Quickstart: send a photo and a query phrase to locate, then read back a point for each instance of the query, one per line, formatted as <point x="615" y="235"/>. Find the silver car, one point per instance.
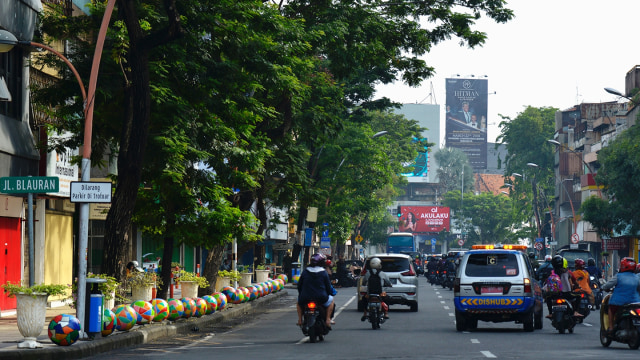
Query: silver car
<point x="403" y="277"/>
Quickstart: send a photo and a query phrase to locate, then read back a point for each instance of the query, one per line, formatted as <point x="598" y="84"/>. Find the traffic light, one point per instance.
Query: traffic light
<point x="399" y="211"/>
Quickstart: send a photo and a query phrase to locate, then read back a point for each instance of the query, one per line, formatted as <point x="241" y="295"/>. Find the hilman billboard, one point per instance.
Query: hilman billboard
<point x="424" y="219"/>
<point x="466" y="114"/>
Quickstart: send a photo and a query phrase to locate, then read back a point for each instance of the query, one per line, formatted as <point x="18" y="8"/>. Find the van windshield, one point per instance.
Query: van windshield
<point x="491" y="265"/>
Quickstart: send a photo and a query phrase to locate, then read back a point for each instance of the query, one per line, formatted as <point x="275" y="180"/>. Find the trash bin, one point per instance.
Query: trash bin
<point x="94" y="305"/>
<point x="295" y="268"/>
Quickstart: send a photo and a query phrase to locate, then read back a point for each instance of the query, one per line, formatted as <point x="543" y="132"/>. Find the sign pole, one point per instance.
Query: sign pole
<point x="31" y="250"/>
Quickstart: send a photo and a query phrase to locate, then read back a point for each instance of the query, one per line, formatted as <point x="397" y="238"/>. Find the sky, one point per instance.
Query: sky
<point x="553" y="53"/>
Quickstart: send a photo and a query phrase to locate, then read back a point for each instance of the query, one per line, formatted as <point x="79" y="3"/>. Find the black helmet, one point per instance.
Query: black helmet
<point x="557" y="261"/>
<point x="591" y="262"/>
<point x="317" y="260"/>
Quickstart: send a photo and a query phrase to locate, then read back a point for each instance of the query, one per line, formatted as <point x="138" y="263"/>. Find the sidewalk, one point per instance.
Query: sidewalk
<point x="10" y="336"/>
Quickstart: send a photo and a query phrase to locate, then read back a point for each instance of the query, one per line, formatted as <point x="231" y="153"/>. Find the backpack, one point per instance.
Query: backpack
<point x="553" y="283"/>
<point x="374" y="284"/>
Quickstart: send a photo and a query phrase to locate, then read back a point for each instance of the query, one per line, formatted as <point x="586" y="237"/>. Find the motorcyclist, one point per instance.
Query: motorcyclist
<point x="626" y="288"/>
<point x="432" y="266"/>
<point x="314" y="285"/>
<point x="375" y="279"/>
<point x="593" y="269"/>
<point x="569" y="282"/>
<point x="582" y="277"/>
<point x="545" y="269"/>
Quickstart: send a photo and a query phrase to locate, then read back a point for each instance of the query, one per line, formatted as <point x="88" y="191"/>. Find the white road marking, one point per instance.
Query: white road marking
<point x="442" y="302"/>
<point x="475" y="341"/>
<point x="439" y="296"/>
<point x="586" y="324"/>
<point x="446" y="308"/>
<point x="451" y="314"/>
<point x="488" y="354"/>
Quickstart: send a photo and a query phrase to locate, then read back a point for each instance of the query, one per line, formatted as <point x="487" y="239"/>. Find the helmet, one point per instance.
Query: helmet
<point x="548" y="258"/>
<point x="558" y="261"/>
<point x="591" y="262"/>
<point x="637" y="268"/>
<point x="134" y="266"/>
<point x="317" y="260"/>
<point x="627" y="264"/>
<point x="328" y="263"/>
<point x="579" y="264"/>
<point x="375" y="263"/>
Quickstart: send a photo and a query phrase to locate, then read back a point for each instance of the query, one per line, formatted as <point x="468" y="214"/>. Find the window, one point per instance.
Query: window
<point x="11" y="67"/>
<point x="492" y="265"/>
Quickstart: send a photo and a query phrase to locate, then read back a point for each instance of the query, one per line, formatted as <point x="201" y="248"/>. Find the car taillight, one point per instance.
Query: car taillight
<point x="410" y="272"/>
<point x="363" y="293"/>
<point x="527" y="285"/>
<point x="411" y="293"/>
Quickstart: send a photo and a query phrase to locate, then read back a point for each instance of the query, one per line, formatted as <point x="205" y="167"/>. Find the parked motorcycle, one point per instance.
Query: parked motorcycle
<point x="626" y="328"/>
<point x="596" y="290"/>
<point x="562" y="315"/>
<point x="313" y="321"/>
<point x="375" y="311"/>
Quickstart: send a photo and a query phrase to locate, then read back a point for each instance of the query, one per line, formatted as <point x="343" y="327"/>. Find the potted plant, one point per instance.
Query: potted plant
<point x="108" y="289"/>
<point x="189" y="282"/>
<point x="142" y="285"/>
<point x="31" y="308"/>
<point x="262" y="274"/>
<point x="226" y="278"/>
<point x="245" y="277"/>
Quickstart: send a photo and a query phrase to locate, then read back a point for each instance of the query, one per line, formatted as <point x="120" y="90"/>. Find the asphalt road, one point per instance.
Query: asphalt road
<point x="429" y="333"/>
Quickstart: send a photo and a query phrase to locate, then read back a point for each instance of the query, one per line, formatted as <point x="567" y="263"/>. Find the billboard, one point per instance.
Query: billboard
<point x="424" y="219"/>
<point x="466" y="115"/>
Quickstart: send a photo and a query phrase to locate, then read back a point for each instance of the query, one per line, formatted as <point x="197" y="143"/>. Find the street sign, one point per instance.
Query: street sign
<point x="575" y="238"/>
<point x="538" y="246"/>
<point x="460" y="242"/>
<point x="90" y="192"/>
<point x="359" y="238"/>
<point x="29" y="184"/>
<point x="325" y="242"/>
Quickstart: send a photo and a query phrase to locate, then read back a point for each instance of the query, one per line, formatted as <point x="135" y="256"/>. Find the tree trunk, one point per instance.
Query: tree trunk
<point x="211" y="266"/>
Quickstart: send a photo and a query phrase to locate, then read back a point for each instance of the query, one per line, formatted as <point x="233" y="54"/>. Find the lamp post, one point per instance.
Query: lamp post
<point x="7" y="42"/>
<point x="573" y="213"/>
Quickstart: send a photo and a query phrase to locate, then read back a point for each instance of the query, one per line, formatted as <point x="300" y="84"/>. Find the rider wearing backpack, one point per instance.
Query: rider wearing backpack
<point x="376" y="279"/>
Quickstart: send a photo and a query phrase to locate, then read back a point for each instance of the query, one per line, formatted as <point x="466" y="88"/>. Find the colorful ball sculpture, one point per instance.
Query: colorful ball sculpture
<point x="212" y="304"/>
<point x="126" y="317"/>
<point x="246" y="294"/>
<point x="262" y="291"/>
<point x="274" y="285"/>
<point x="176" y="309"/>
<point x="201" y="307"/>
<point x="189" y="307"/>
<point x="221" y="299"/>
<point x="145" y="312"/>
<point x="267" y="288"/>
<point x="253" y="292"/>
<point x="230" y="292"/>
<point x="280" y="284"/>
<point x="108" y="322"/>
<point x="64" y="330"/>
<point x="296" y="278"/>
<point x="160" y="309"/>
<point x="283" y="277"/>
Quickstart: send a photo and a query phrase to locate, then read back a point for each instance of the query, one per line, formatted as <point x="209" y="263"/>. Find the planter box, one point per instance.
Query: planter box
<point x="142" y="293"/>
<point x="189" y="289"/>
<point x="222" y="282"/>
<point x="31" y="311"/>
<point x="262" y="276"/>
<point x="245" y="279"/>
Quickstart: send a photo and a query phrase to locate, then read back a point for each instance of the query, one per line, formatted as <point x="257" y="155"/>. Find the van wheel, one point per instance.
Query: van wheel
<point x="414" y="306"/>
<point x="538" y="321"/>
<point x="528" y="322"/>
<point x="461" y="323"/>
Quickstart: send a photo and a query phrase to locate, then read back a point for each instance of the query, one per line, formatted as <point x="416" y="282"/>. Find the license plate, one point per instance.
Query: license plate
<point x="393" y="281"/>
<point x="491" y="290"/>
<point x="559" y="308"/>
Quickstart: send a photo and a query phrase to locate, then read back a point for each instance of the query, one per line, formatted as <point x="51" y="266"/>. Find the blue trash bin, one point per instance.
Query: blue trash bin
<point x="94" y="306"/>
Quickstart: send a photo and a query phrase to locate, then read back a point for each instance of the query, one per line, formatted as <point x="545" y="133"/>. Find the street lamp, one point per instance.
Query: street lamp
<point x="7" y="42"/>
<point x="573" y="213"/>
<point x="617" y="93"/>
<point x="378" y="134"/>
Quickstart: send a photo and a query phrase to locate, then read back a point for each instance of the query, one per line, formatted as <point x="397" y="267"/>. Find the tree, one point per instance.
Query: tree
<point x="454" y="170"/>
<point x="525" y="138"/>
<point x="486" y="217"/>
<point x="619" y="173"/>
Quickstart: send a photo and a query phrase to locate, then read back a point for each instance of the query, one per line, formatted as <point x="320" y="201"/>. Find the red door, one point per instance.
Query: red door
<point x="9" y="257"/>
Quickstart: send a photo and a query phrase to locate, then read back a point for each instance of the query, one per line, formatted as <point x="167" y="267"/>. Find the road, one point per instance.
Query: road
<point x="428" y="333"/>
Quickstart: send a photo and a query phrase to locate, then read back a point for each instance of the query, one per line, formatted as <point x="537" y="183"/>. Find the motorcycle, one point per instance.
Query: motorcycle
<point x="596" y="290"/>
<point x="562" y="315"/>
<point x="584" y="306"/>
<point x="375" y="311"/>
<point x="313" y="321"/>
<point x="432" y="276"/>
<point x="626" y="328"/>
<point x="447" y="279"/>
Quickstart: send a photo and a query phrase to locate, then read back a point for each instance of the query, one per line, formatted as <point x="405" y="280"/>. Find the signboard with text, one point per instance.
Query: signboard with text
<point x="29" y="184"/>
<point x="424" y="219"/>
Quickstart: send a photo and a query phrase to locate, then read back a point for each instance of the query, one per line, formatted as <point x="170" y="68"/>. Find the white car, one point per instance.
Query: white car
<point x="403" y="277"/>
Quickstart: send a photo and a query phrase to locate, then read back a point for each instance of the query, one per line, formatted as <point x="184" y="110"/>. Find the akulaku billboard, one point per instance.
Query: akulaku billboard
<point x="466" y="115"/>
<point x="424" y="219"/>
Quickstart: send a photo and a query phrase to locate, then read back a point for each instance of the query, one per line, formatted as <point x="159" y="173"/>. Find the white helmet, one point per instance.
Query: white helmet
<point x="375" y="263"/>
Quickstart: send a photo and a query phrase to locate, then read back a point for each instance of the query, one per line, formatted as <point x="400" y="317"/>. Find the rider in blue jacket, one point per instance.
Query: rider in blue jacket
<point x="626" y="288"/>
<point x="314" y="284"/>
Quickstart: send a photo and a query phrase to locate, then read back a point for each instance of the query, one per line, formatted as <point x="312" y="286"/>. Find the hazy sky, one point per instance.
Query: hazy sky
<point x="554" y="53"/>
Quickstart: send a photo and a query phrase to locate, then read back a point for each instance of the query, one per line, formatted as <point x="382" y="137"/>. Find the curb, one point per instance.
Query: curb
<point x="141" y="335"/>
